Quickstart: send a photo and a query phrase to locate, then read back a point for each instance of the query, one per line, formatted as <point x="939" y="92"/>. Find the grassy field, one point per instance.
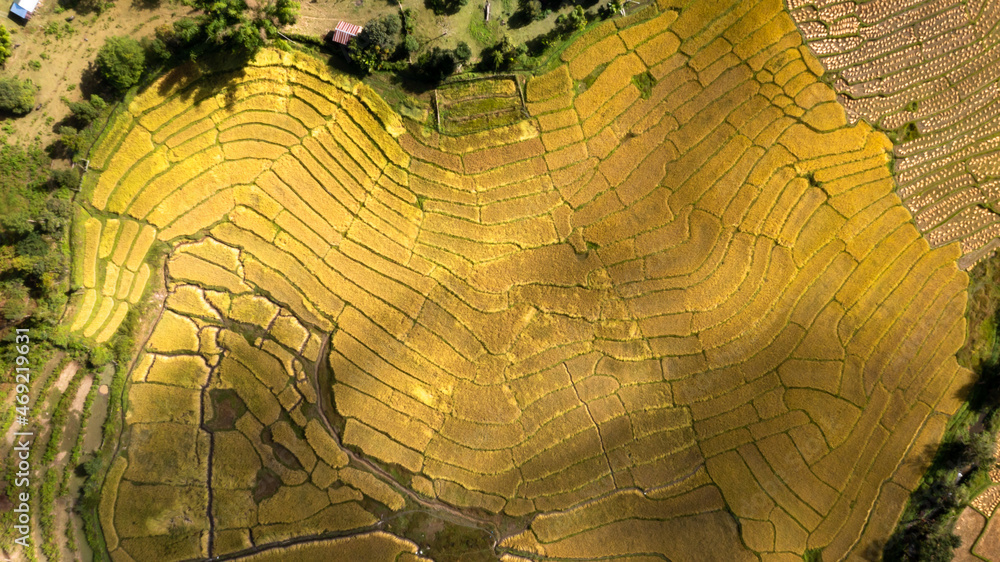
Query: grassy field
<point x="658" y="296"/>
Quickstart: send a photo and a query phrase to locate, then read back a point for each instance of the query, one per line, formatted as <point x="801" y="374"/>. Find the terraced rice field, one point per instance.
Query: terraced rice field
<point x="930" y="71"/>
<point x="630" y="325"/>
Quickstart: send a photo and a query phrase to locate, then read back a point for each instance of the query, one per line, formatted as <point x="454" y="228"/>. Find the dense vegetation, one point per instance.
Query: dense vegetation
<point x="16" y="97"/>
<point x="5" y="44"/>
<point x="120" y="62"/>
<point x="34" y="216"/>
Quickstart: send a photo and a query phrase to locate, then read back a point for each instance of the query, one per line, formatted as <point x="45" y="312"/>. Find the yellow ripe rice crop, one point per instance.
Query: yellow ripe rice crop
<point x="235" y="463"/>
<point x="154" y="403"/>
<point x="372" y="487"/>
<point x="268" y="102"/>
<point x="92" y="229"/>
<point x="100" y="317"/>
<point x="382" y="137"/>
<point x="254" y="197"/>
<point x="601" y="53"/>
<point x="190" y="301"/>
<point x="113" y="323"/>
<point x="140" y="247"/>
<point x="203" y="187"/>
<point x="109" y="495"/>
<point x="324" y="104"/>
<point x="285" y="436"/>
<point x="205" y="213"/>
<point x="181" y="133"/>
<point x="615" y="77"/>
<point x="253" y="148"/>
<point x="391" y="122"/>
<point x="639" y="33"/>
<point x="110" y="140"/>
<point x="139" y="285"/>
<point x="188" y="371"/>
<point x="110" y="280"/>
<point x="477" y="88"/>
<point x="305" y="113"/>
<point x="249" y="220"/>
<point x="164" y="87"/>
<point x="263" y="365"/>
<point x="177" y="176"/>
<point x="210" y="249"/>
<point x="251" y="131"/>
<point x="261" y="403"/>
<point x="108" y="238"/>
<point x="267" y="118"/>
<point x="378" y="546"/>
<point x="292" y="504"/>
<point x="253" y="309"/>
<point x="324" y="445"/>
<point x="174" y="333"/>
<point x="136" y="146"/>
<point x="380" y="446"/>
<point x="645" y="311"/>
<point x="593" y="36"/>
<point x="85" y="308"/>
<point x="125" y="238"/>
<point x="166" y="112"/>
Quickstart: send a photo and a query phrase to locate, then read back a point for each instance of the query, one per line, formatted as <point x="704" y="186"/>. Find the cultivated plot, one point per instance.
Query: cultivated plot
<point x="681" y="294"/>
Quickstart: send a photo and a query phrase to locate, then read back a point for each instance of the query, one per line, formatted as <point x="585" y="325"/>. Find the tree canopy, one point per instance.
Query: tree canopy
<point x="16" y="97"/>
<point x="120" y="62"/>
<point x="5" y="45"/>
<point x="376" y="43"/>
<point x="34" y="213"/>
<point x="246" y="30"/>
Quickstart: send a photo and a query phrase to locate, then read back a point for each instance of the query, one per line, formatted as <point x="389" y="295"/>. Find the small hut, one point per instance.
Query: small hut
<point x="344" y="32"/>
<point x="24" y="9"/>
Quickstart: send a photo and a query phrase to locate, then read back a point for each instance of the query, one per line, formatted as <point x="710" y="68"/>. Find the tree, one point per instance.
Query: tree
<point x="284" y="12"/>
<point x="436" y="64"/>
<point x="16" y="97"/>
<point x="83" y="111"/>
<point x="462" y="52"/>
<point x="610" y="9"/>
<point x="531" y="10"/>
<point x="376" y="42"/>
<point x="120" y="62"/>
<point x="503" y="54"/>
<point x="5" y="45"/>
<point x="571" y="22"/>
<point x="411" y="44"/>
<point x="445" y="7"/>
<point x="234" y="24"/>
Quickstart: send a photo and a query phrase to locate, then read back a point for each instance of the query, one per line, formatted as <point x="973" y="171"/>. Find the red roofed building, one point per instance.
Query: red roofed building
<point x="344" y="32"/>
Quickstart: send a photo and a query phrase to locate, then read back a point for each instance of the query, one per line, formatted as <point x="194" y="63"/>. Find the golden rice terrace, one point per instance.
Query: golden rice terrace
<point x="666" y="305"/>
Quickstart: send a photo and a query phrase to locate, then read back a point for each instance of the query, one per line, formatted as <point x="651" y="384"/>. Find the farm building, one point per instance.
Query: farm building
<point x="24" y="8"/>
<point x="344" y="32"/>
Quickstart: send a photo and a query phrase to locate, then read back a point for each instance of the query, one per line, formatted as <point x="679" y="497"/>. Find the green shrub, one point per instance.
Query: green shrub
<point x="16" y="97"/>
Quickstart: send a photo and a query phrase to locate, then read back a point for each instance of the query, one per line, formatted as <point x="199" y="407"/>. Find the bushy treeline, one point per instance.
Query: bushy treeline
<point x="234" y="27"/>
<point x="35" y="212"/>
